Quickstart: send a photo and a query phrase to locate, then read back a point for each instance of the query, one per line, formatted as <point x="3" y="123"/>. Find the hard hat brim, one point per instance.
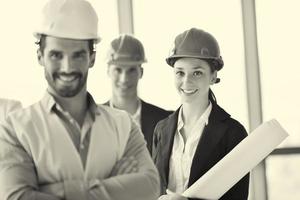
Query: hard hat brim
<point x="172" y="59"/>
<point x="38" y="35"/>
<point x="118" y="62"/>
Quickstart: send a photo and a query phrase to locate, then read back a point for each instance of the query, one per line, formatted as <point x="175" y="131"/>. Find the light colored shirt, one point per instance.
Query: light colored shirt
<point x="38" y="158"/>
<point x="183" y="152"/>
<point x="8" y="105"/>
<point x="79" y="135"/>
<point x="137" y="115"/>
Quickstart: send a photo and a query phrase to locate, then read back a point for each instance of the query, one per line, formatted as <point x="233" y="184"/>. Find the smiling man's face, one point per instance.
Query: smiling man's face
<point x="66" y="63"/>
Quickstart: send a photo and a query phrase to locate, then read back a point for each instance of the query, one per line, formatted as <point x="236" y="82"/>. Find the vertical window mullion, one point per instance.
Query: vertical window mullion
<point x="258" y="175"/>
<point x="125" y="14"/>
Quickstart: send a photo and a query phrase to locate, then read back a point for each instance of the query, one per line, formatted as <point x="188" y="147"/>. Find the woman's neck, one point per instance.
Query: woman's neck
<point x="191" y="111"/>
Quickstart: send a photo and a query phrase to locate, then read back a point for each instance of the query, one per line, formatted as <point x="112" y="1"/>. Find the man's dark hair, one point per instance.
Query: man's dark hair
<point x="42" y="43"/>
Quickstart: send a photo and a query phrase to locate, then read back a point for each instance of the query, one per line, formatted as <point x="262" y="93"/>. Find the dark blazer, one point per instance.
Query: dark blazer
<point x="220" y="136"/>
<point x="150" y="116"/>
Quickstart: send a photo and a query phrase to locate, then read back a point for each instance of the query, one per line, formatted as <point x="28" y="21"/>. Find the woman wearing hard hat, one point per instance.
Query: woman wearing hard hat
<point x="200" y="133"/>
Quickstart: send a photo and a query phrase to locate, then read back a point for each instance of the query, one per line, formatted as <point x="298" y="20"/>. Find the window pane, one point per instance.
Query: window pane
<point x="98" y="81"/>
<point x="157" y="23"/>
<point x="21" y="76"/>
<point x="279" y="42"/>
<point x="283" y="177"/>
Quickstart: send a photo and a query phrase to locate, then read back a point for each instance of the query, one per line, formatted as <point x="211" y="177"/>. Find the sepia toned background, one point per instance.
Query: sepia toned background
<point x="156" y="23"/>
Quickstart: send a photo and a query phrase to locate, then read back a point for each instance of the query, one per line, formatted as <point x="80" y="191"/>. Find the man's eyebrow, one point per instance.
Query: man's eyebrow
<point x="55" y="51"/>
<point x="82" y="51"/>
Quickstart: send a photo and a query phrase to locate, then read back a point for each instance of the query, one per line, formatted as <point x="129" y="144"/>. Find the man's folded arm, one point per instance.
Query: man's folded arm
<point x="143" y="184"/>
<point x="18" y="180"/>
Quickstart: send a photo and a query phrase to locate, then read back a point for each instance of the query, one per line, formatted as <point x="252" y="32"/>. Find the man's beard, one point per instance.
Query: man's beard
<point x="66" y="91"/>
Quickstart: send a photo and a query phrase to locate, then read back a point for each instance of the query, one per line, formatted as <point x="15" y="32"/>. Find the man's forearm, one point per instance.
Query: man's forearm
<point x="33" y="195"/>
<point x="68" y="189"/>
<point x="133" y="186"/>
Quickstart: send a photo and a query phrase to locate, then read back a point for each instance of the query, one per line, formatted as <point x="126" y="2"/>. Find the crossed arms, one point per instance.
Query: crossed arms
<point x="133" y="178"/>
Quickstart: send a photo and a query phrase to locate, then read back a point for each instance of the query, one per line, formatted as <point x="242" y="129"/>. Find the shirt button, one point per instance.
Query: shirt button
<point x="81" y="146"/>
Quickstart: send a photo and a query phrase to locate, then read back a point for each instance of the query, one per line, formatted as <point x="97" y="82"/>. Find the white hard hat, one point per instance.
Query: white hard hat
<point x="73" y="19"/>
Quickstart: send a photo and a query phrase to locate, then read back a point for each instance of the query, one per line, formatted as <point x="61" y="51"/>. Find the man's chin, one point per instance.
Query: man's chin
<point x="125" y="94"/>
<point x="68" y="93"/>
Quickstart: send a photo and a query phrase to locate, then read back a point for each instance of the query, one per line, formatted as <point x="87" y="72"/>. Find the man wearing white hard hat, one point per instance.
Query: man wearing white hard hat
<point x="65" y="146"/>
<point x="125" y="58"/>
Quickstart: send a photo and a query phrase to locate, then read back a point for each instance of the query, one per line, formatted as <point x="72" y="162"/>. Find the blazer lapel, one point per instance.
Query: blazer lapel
<point x="166" y="144"/>
<point x="146" y="121"/>
<point x="211" y="136"/>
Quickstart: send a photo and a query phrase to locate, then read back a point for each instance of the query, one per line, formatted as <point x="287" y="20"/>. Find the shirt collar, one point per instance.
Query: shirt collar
<point x="180" y="122"/>
<point x="204" y="117"/>
<point x="49" y="103"/>
<point x="137" y="112"/>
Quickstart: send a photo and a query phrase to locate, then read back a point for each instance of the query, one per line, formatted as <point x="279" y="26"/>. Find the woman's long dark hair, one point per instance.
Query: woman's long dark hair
<point x="211" y="96"/>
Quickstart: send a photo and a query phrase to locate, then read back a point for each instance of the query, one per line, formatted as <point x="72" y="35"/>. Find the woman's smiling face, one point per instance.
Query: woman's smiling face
<point x="193" y="78"/>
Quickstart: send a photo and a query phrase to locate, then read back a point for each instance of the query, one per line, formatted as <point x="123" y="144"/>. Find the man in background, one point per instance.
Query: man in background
<point x="65" y="146"/>
<point x="125" y="58"/>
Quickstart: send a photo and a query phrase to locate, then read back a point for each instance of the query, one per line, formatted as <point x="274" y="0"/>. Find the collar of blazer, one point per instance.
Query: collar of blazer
<point x="212" y="134"/>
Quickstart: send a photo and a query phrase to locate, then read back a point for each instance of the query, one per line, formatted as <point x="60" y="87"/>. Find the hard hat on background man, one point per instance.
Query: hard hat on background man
<point x="72" y="19"/>
<point x="196" y="43"/>
<point x="126" y="50"/>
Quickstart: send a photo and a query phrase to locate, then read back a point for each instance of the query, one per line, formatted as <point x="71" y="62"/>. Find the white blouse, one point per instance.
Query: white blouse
<point x="183" y="152"/>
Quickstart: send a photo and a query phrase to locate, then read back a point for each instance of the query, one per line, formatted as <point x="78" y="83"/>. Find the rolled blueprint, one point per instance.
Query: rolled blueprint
<point x="238" y="162"/>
